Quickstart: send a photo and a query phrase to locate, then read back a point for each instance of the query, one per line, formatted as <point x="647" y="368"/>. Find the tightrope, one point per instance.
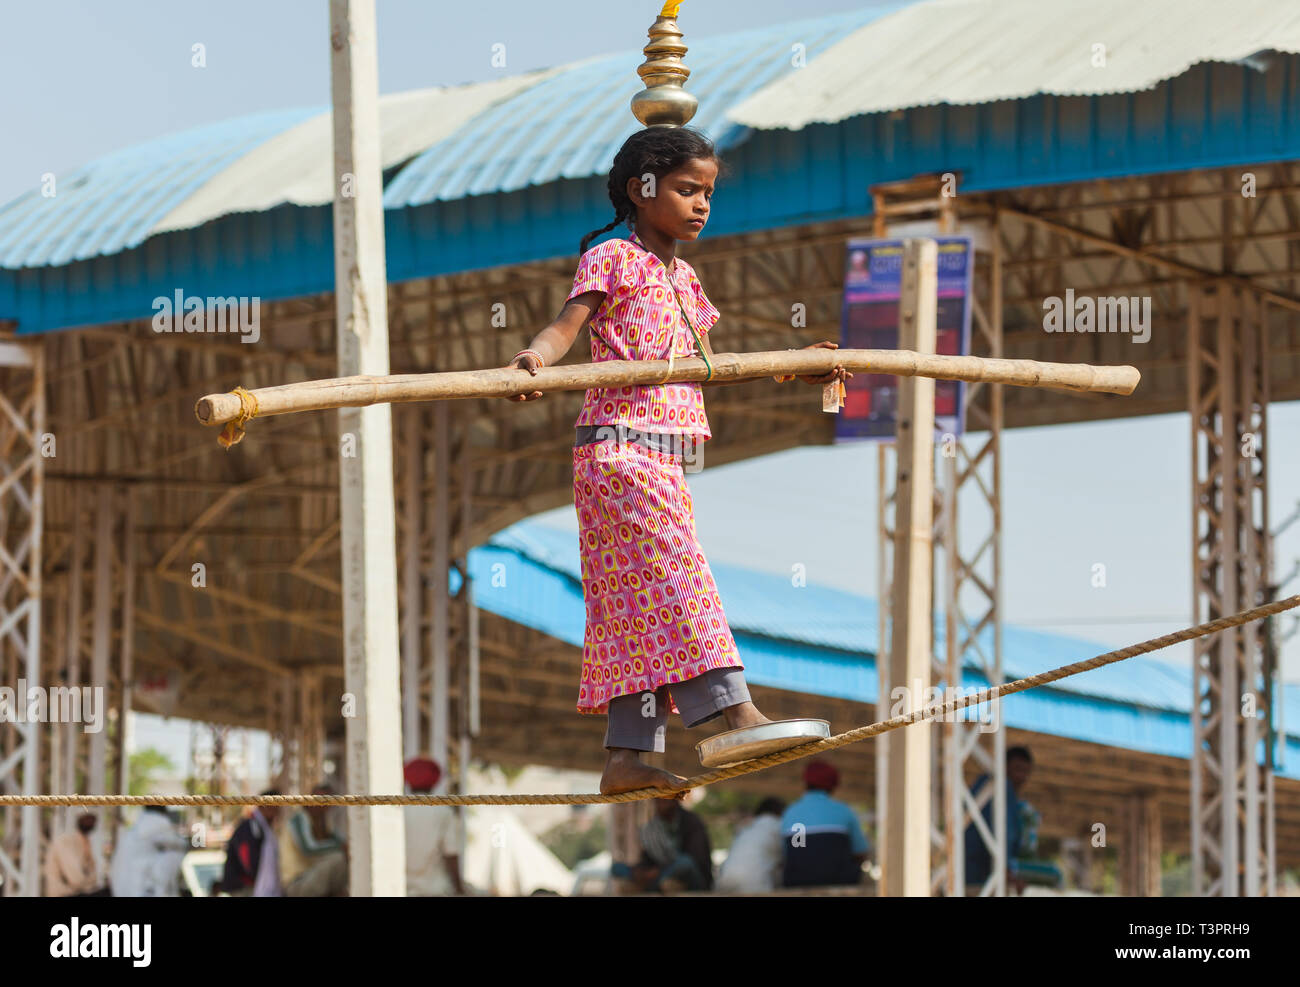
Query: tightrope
<point x="929" y="712"/>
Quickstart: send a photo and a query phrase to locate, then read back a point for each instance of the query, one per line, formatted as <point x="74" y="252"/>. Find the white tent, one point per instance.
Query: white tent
<point x="503" y="858"/>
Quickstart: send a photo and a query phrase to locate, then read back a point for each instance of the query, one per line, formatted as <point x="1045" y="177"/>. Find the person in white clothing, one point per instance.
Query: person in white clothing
<point x="147" y="861"/>
<point x="757" y="854"/>
<point x="435" y="837"/>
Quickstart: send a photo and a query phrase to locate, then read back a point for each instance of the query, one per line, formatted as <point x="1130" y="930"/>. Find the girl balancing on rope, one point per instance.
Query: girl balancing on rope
<point x="656" y="639"/>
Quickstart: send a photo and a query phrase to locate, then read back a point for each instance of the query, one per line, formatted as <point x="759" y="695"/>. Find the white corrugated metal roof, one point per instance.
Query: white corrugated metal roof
<point x="297" y="166"/>
<point x="249" y="164"/>
<point x="978" y="51"/>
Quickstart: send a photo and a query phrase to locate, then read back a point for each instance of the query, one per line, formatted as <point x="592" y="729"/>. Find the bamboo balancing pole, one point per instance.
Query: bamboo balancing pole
<point x="358" y="392"/>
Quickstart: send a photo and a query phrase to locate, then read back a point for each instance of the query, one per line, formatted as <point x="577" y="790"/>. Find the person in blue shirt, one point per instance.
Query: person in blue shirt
<point x="979" y="861"/>
<point x="823" y="840"/>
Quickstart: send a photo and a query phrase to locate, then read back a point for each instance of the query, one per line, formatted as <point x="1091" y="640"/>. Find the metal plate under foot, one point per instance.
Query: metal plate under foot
<point x="751" y="742"/>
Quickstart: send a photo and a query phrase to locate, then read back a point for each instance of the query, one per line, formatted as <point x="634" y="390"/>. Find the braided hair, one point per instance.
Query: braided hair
<point x="652" y="151"/>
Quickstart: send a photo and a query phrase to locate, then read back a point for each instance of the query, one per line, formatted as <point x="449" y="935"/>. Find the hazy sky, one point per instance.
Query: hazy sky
<point x="81" y="79"/>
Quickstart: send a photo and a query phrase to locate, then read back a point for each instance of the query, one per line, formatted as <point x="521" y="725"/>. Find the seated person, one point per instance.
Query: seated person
<point x="675" y="852"/>
<point x="979" y="862"/>
<point x="757" y="856"/>
<point x="147" y="860"/>
<point x="70" y="870"/>
<point x="253" y="855"/>
<point x="824" y="843"/>
<point x="313" y="861"/>
<point x="435" y="837"/>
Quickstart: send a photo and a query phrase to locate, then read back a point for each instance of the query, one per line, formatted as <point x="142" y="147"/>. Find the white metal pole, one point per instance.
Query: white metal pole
<point x="368" y="538"/>
<point x="100" y="648"/>
<point x="126" y="651"/>
<point x="411" y="585"/>
<point x="469" y="665"/>
<point x="76" y="569"/>
<point x="440" y="625"/>
<point x="907" y="865"/>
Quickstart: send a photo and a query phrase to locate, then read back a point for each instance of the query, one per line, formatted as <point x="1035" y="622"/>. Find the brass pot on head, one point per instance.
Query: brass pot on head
<point x="663" y="102"/>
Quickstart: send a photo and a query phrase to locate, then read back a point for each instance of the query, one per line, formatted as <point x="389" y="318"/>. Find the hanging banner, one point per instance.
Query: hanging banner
<point x="872" y="284"/>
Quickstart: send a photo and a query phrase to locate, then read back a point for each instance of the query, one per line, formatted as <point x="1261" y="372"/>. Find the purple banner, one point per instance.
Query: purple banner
<point x="872" y="285"/>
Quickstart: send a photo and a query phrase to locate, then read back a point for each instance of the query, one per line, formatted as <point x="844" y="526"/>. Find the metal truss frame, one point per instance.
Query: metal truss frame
<point x="22" y="472"/>
<point x="1232" y="804"/>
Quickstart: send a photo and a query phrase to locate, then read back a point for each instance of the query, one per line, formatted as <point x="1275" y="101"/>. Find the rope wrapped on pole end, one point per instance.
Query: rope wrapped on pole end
<point x="233" y="432"/>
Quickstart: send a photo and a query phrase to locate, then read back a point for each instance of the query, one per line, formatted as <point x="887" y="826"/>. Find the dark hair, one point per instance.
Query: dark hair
<point x="161" y="809"/>
<point x="1020" y="752"/>
<point x="770" y="807"/>
<point x="654" y="151"/>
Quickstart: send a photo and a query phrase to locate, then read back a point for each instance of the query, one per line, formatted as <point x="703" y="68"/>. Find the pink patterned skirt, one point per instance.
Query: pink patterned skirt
<point x="654" y="616"/>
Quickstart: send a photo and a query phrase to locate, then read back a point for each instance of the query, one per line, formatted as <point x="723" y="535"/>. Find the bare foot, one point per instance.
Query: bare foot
<point x="743" y="715"/>
<point x="624" y="772"/>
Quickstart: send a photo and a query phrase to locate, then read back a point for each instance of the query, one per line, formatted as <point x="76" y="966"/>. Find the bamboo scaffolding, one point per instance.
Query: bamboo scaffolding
<point x="502" y="382"/>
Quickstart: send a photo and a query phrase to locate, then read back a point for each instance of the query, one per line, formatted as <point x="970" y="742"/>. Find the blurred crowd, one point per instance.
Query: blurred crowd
<point x="271" y="853"/>
<point x="815" y="841"/>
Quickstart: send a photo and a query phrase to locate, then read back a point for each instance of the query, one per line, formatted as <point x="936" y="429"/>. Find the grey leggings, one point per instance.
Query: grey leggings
<point x="639" y="721"/>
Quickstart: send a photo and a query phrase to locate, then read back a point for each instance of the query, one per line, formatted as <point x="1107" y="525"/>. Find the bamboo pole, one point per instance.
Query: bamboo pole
<point x="362" y="391"/>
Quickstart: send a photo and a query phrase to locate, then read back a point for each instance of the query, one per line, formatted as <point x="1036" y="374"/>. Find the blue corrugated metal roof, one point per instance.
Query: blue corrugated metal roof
<point x="1212" y="116"/>
<point x="822" y="640"/>
<point x="115" y="202"/>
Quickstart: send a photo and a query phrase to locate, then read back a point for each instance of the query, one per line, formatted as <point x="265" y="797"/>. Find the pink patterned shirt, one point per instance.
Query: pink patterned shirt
<point x="639" y="319"/>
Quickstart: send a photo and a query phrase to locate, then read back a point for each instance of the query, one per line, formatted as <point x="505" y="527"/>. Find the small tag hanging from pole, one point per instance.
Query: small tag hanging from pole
<point x="833" y="397"/>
